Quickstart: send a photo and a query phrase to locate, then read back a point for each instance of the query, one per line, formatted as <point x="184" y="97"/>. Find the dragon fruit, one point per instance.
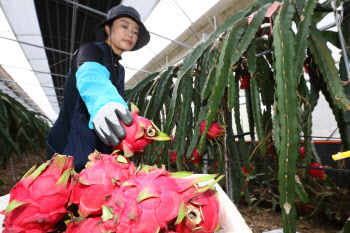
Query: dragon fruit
<point x="39" y="200"/>
<point x="148" y="201"/>
<point x="245" y="82"/>
<point x="215" y="131"/>
<point x="302" y="152"/>
<point x="245" y="170"/>
<point x="315" y="172"/>
<point x="139" y="134"/>
<point x="201" y="214"/>
<point x="101" y="175"/>
<point x="196" y="158"/>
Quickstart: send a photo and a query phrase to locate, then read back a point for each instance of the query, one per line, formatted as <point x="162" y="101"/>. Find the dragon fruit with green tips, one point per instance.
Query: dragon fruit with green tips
<point x="103" y="173"/>
<point x="151" y="200"/>
<point x="40" y="199"/>
<point x="139" y="134"/>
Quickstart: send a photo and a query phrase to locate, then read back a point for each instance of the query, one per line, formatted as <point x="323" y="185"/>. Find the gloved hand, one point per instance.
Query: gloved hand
<point x="107" y="123"/>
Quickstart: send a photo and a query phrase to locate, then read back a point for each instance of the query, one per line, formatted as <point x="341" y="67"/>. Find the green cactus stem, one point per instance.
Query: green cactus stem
<point x="287" y="105"/>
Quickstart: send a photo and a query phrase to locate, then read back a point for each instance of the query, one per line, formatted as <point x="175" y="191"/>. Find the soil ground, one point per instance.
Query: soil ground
<point x="258" y="219"/>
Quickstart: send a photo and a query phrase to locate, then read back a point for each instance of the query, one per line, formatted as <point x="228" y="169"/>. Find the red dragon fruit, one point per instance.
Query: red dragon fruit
<point x="245" y="170"/>
<point x="201" y="214"/>
<point x="139" y="134"/>
<point x="315" y="172"/>
<point x="173" y="156"/>
<point x="196" y="158"/>
<point x="102" y="174"/>
<point x="40" y="199"/>
<point x="215" y="131"/>
<point x="245" y="82"/>
<point x="148" y="202"/>
<point x="302" y="152"/>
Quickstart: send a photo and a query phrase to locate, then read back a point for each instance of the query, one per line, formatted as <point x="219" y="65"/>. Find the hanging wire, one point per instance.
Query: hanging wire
<point x="190" y="27"/>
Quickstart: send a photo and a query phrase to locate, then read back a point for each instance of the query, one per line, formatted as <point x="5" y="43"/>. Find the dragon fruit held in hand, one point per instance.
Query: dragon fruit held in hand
<point x="139" y="134"/>
<point x="40" y="199"/>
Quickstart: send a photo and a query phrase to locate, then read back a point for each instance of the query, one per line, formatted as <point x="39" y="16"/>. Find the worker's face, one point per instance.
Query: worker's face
<point x="124" y="36"/>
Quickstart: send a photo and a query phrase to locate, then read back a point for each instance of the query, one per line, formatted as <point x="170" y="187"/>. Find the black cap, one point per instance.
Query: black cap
<point x="123" y="11"/>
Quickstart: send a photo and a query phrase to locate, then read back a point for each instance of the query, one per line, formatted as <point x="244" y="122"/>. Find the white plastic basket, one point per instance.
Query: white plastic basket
<point x="231" y="221"/>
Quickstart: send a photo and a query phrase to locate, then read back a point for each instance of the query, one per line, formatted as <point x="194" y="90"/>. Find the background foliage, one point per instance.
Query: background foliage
<point x="284" y="89"/>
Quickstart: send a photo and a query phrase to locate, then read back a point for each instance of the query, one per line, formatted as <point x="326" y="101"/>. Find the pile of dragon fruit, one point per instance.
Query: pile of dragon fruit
<point x="112" y="195"/>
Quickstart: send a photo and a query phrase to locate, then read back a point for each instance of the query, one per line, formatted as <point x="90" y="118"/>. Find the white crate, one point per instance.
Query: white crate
<point x="230" y="220"/>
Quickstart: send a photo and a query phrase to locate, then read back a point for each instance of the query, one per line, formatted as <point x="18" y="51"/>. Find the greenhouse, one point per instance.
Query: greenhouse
<point x="175" y="116"/>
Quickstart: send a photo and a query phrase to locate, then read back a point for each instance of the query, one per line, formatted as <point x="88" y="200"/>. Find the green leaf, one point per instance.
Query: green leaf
<point x="182" y="213"/>
<point x="13" y="205"/>
<point x="107" y="213"/>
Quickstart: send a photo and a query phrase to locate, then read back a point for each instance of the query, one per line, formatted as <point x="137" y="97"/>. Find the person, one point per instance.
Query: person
<point x="93" y="104"/>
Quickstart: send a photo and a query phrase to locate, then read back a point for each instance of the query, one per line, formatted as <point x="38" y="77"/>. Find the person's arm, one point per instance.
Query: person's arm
<point x="95" y="88"/>
<point x="104" y="103"/>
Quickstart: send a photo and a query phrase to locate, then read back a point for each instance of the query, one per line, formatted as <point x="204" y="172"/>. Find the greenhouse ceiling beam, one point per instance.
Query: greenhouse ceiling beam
<point x="35" y="71"/>
<point x="144" y="71"/>
<point x="104" y="15"/>
<point x="26" y="92"/>
<point x="73" y="31"/>
<point x="55" y="50"/>
<point x="38" y="46"/>
<point x="12" y="81"/>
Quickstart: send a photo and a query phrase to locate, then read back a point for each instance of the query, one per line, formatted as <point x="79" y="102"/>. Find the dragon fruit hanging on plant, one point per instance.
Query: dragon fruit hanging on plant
<point x="215" y="131"/>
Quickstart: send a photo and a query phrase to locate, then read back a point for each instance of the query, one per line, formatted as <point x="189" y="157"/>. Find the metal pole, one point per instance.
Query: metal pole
<point x="214" y="17"/>
<point x="38" y="46"/>
<point x="187" y="18"/>
<point x="341" y="38"/>
<point x="205" y="163"/>
<point x="74" y="23"/>
<point x="104" y="14"/>
<point x="12" y="81"/>
<point x="46" y="95"/>
<point x="145" y="71"/>
<point x="35" y="71"/>
<point x="263" y="53"/>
